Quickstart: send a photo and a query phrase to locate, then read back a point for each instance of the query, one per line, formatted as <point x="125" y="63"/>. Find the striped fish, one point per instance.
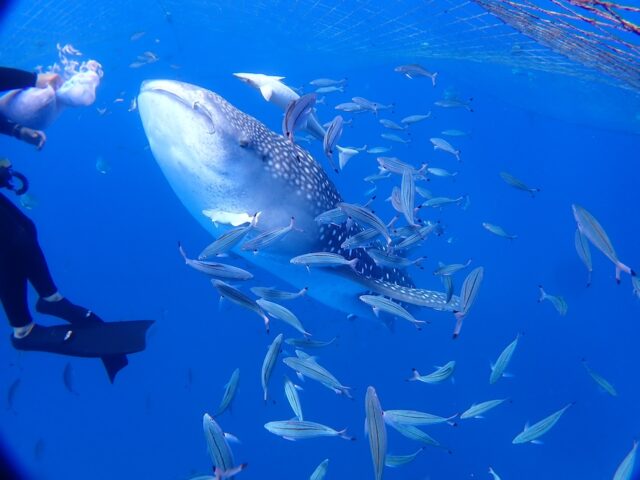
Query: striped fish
<point x="219" y="270"/>
<point x="535" y="431"/>
<point x="377" y="432"/>
<point x="379" y="303"/>
<point x="236" y="296"/>
<point x="591" y="229"/>
<point x="219" y="449"/>
<point x="414" y="433"/>
<point x="366" y="218"/>
<point x="267" y="238"/>
<point x="297" y="113"/>
<point x="584" y="252"/>
<point x="297" y="430"/>
<point x="415" y="418"/>
<point x="291" y="392"/>
<point x="476" y="410"/>
<point x="269" y="362"/>
<point x="497" y="369"/>
<point x="282" y="313"/>
<point x="229" y="392"/>
<point x="557" y="301"/>
<point x="469" y="293"/>
<point x="625" y="469"/>
<point x="407" y="196"/>
<point x="334" y="132"/>
<point x="228" y="240"/>
<point x="309" y="368"/>
<point x="600" y="380"/>
<point x="321" y="470"/>
<point x="272" y="294"/>
<point x="437" y="376"/>
<point x="518" y="184"/>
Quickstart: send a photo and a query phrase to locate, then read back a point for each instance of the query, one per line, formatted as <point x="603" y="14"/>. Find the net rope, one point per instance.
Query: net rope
<point x="591" y="39"/>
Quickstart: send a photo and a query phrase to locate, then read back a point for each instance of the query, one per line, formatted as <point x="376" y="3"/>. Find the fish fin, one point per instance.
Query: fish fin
<point x="300" y="376"/>
<point x="433" y="78"/>
<point x="415" y="376"/>
<point x="291" y="439"/>
<point x="343" y="433"/>
<point x="267" y="92"/>
<point x="526" y="426"/>
<point x="479" y="416"/>
<point x="537" y="442"/>
<point x="507" y="375"/>
<point x="231" y="438"/>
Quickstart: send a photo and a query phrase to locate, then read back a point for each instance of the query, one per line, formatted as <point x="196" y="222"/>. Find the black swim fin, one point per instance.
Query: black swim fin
<point x="94" y="340"/>
<point x="77" y="315"/>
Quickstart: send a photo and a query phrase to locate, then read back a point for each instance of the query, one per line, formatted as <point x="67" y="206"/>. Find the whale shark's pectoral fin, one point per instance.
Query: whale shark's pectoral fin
<point x="267" y="92"/>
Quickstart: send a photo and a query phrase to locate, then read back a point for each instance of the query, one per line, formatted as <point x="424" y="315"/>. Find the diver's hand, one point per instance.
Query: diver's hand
<point x="46" y="79"/>
<point x="34" y="137"/>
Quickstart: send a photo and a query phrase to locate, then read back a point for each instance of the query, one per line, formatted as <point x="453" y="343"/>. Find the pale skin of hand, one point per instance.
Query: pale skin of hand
<point x="36" y="138"/>
<point x="48" y="79"/>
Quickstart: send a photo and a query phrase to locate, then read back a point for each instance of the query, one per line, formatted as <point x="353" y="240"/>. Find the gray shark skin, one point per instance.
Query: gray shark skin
<point x="225" y="166"/>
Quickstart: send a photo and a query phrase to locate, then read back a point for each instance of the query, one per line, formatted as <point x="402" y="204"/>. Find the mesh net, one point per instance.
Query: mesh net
<point x="591" y="39"/>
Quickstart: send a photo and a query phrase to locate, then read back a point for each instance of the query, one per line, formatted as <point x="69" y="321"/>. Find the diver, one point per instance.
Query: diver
<point x="22" y="261"/>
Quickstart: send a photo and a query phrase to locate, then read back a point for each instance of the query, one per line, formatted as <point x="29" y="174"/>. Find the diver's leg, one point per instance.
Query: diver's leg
<point x="13" y="278"/>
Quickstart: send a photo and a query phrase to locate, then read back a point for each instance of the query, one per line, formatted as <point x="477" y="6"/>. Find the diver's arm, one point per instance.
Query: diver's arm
<point x="12" y="78"/>
<point x="37" y="138"/>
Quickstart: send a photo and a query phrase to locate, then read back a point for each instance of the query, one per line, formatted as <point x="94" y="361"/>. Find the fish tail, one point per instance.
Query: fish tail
<point x="230" y="472"/>
<point x="266" y="323"/>
<point x="433" y="78"/>
<point x="459" y="318"/>
<point x="543" y="294"/>
<point x="621" y="267"/>
<point x="353" y="262"/>
<point x="182" y="252"/>
<point x="415" y="375"/>
<point x="343" y="434"/>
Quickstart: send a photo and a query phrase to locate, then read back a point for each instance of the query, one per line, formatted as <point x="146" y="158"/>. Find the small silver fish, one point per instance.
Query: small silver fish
<point x="331" y="137"/>
<point x="442" y="144"/>
<point x="493" y="474"/>
<point x="308" y="343"/>
<point x="310" y="368"/>
<point x="266" y="239"/>
<point x="447" y="281"/>
<point x="414" y="433"/>
<point x="361" y="239"/>
<point x="335" y="216"/>
<point x="437" y="376"/>
<point x="394" y="138"/>
<point x="476" y="410"/>
<point x="414" y="70"/>
<point x="269" y="363"/>
<point x="327" y="82"/>
<point x="378" y="150"/>
<point x="383" y="304"/>
<point x="441" y="172"/>
<point x="390" y="124"/>
<point x="369" y="105"/>
<point x="600" y="380"/>
<point x="419" y="235"/>
<point x="350" y="107"/>
<point x="297" y="430"/>
<point x="385" y="259"/>
<point x="377" y="431"/>
<point x="291" y="392"/>
<point x="590" y="228"/>
<point x="218" y="270"/>
<point x="229" y="392"/>
<point x="395" y="165"/>
<point x="272" y="294"/>
<point x="448" y="270"/>
<point x="407" y="196"/>
<point x="498" y="230"/>
<point x="535" y="431"/>
<point x="470" y="289"/>
<point x="439" y="202"/>
<point x="415" y="418"/>
<point x="228" y="240"/>
<point x="411" y="119"/>
<point x="323" y="259"/>
<point x="330" y="89"/>
<point x="625" y="469"/>
<point x="366" y="218"/>
<point x="321" y="470"/>
<point x="558" y="302"/>
<point x="453" y="103"/>
<point x="236" y="296"/>
<point x="497" y="369"/>
<point x="296" y="114"/>
<point x="282" y="313"/>
<point x="219" y="449"/>
<point x="518" y="184"/>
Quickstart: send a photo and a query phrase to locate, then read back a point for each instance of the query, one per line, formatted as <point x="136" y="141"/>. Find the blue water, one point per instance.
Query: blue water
<point x="111" y="242"/>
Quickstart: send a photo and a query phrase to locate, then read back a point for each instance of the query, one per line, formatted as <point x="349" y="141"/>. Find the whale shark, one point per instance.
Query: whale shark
<point x="226" y="166"/>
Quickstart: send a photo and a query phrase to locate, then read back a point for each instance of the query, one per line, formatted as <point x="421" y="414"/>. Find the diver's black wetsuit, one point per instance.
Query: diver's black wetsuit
<point x="21" y="258"/>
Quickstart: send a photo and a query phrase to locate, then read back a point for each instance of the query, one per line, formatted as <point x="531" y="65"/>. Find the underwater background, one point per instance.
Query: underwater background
<point x="111" y="243"/>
